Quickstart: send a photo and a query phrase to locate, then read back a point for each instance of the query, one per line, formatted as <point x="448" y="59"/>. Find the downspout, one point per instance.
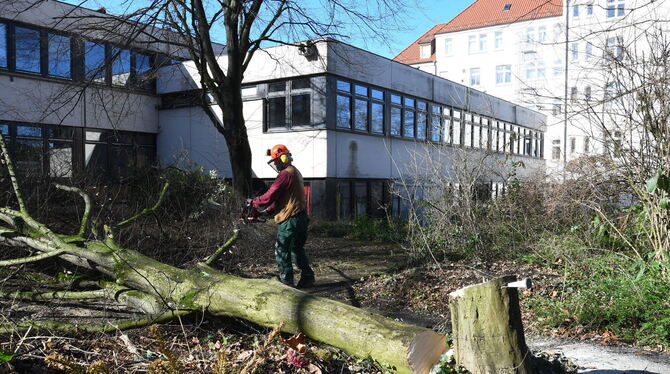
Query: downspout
<point x="565" y="89"/>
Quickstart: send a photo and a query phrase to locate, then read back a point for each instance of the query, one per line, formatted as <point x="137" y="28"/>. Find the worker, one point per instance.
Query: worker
<point x="286" y="197"/>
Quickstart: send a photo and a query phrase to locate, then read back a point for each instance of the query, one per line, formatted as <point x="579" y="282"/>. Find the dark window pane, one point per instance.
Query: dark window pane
<point x="94" y="61"/>
<point x="361" y="115"/>
<point x="59" y="56"/>
<point x="361" y="196"/>
<point x="27" y="50"/>
<point x="395" y="121"/>
<point x="421" y="105"/>
<point x="344" y="86"/>
<point x="121" y="162"/>
<point x="396" y="99"/>
<point x="435" y="128"/>
<point x="277" y="112"/>
<point x="377" y="199"/>
<point x="142" y="68"/>
<point x="377" y="118"/>
<point x="343" y="112"/>
<point x="300" y="110"/>
<point x="344" y="197"/>
<point x="3" y="45"/>
<point x="409" y="102"/>
<point x="146" y="156"/>
<point x="277" y="87"/>
<point x="377" y="94"/>
<point x="60" y="132"/>
<point x="145" y="139"/>
<point x="120" y="66"/>
<point x="361" y="90"/>
<point x="121" y="137"/>
<point x="28" y="156"/>
<point x="95" y="159"/>
<point x="31" y="131"/>
<point x="4" y="129"/>
<point x="300" y="83"/>
<point x="59" y="156"/>
<point x="408" y="124"/>
<point x="421" y="125"/>
<point x="436" y="109"/>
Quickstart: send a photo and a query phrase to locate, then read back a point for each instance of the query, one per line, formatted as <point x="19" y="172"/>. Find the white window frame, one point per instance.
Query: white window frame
<point x="503" y="74"/>
<point x="475" y="76"/>
<point x="498" y="42"/>
<point x="424" y="50"/>
<point x="615" y="8"/>
<point x="448" y="47"/>
<point x="482" y="42"/>
<point x="472" y="43"/>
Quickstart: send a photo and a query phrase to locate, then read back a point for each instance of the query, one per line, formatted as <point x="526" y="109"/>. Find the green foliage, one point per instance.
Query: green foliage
<point x="5" y="356"/>
<point x="607" y="292"/>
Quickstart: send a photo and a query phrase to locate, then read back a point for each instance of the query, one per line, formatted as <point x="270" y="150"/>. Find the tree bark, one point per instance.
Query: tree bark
<point x="411" y="349"/>
<point x="487" y="329"/>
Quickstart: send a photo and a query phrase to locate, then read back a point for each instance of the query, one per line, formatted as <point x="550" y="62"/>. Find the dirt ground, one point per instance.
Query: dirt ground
<point x="374" y="276"/>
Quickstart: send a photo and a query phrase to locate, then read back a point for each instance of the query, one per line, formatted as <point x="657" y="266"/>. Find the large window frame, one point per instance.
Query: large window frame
<point x="285" y="97"/>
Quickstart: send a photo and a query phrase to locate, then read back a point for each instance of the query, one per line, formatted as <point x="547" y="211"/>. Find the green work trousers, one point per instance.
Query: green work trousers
<point x="291" y="238"/>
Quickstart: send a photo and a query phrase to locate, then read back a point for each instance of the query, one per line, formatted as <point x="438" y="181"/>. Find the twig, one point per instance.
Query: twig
<point x="221" y="249"/>
<point x="144" y="212"/>
<point x="12" y="175"/>
<point x="87" y="206"/>
<point x="25" y="260"/>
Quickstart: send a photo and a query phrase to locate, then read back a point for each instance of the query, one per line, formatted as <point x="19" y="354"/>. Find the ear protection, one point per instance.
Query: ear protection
<point x="284" y="158"/>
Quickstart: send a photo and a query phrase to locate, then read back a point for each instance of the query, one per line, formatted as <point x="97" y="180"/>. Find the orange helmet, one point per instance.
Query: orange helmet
<point x="278" y="151"/>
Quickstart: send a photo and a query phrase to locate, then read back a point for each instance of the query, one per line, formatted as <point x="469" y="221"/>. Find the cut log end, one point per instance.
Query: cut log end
<point x="425" y="351"/>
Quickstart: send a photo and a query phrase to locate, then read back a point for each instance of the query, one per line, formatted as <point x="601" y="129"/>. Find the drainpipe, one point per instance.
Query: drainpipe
<point x="565" y="88"/>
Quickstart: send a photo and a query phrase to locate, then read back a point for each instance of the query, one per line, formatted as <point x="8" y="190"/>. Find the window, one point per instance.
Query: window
<point x="28" y="149"/>
<point x="587" y="92"/>
<point x="467" y="131"/>
<point x="472" y="43"/>
<point x="142" y="65"/>
<point x="435" y="123"/>
<point x="421" y="119"/>
<point x="558" y="68"/>
<point x="361" y="108"/>
<point x="540" y="69"/>
<point x="573" y="94"/>
<point x="408" y="117"/>
<point x="530" y="35"/>
<point x="507" y="7"/>
<point x="474" y="77"/>
<point x="482" y="42"/>
<point x="575" y="10"/>
<point x="120" y="66"/>
<point x="377" y="113"/>
<point x="59" y="56"/>
<point x="396" y="115"/>
<point x="575" y="51"/>
<point x="457" y="128"/>
<point x="589" y="50"/>
<point x="3" y="45"/>
<point x="27" y="45"/>
<point x="542" y="34"/>
<point x="556" y="149"/>
<point x="615" y="47"/>
<point x="277" y="111"/>
<point x="289" y="104"/>
<point x="448" y="47"/>
<point x="60" y="144"/>
<point x="498" y="43"/>
<point x="615" y="8"/>
<point x="589" y="9"/>
<point x="503" y="74"/>
<point x="573" y="145"/>
<point x="531" y="70"/>
<point x="587" y="140"/>
<point x="528" y="143"/>
<point x="94" y="61"/>
<point x="425" y="51"/>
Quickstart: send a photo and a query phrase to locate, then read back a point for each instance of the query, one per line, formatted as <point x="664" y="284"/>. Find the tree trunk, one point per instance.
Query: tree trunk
<point x="487" y="329"/>
<point x="411" y="349"/>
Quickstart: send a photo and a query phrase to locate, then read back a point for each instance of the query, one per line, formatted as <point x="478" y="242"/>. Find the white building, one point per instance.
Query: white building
<point x="529" y="52"/>
<point x="77" y="102"/>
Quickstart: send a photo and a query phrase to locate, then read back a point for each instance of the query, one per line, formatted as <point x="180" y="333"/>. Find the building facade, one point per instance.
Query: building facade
<point x="558" y="57"/>
<point x="75" y="101"/>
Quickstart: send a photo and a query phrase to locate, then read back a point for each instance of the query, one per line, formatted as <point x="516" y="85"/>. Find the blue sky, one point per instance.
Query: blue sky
<point x="421" y="15"/>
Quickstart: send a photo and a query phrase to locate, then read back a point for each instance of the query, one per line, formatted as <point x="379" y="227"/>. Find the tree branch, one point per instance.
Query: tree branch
<point x="87" y="206"/>
<point x="12" y="175"/>
<point x="25" y="260"/>
<point x="221" y="249"/>
<point x="144" y="212"/>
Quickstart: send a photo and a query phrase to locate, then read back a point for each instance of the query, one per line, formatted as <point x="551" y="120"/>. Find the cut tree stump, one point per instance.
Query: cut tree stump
<point x="487" y="330"/>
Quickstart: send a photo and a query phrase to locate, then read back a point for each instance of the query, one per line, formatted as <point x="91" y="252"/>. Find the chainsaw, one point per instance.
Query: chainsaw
<point x="251" y="214"/>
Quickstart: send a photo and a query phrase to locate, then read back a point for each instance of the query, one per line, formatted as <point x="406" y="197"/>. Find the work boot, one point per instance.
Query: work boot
<point x="287" y="281"/>
<point x="305" y="282"/>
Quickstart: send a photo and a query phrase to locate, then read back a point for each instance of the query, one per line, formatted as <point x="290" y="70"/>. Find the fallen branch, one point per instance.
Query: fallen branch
<point x="221" y="249"/>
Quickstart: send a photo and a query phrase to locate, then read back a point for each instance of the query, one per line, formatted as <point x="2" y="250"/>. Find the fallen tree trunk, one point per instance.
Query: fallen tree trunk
<point x="409" y="348"/>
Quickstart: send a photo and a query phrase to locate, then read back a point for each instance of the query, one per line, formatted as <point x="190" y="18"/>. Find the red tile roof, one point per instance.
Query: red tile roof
<point x="483" y="13"/>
